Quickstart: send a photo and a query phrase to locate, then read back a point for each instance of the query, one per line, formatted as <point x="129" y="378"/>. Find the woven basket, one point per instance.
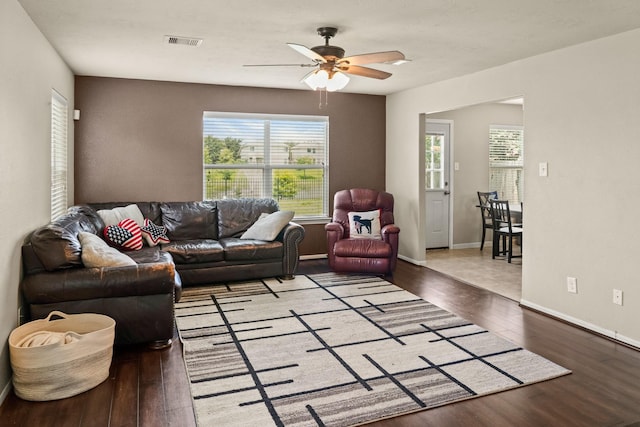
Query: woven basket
<point x="56" y="371"/>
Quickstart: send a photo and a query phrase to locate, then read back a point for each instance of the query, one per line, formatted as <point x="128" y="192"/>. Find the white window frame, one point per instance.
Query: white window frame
<point x="59" y="149"/>
<point x="266" y="164"/>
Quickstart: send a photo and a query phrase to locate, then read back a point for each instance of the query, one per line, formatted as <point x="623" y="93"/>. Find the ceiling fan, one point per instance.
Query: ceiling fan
<point x="332" y="66"/>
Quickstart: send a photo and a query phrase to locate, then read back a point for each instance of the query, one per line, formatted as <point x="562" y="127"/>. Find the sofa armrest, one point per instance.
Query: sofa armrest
<point x="74" y="284"/>
<point x="290" y="236"/>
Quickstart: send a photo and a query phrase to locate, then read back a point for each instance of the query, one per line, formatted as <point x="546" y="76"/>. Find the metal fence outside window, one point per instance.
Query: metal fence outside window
<point x="301" y="194"/>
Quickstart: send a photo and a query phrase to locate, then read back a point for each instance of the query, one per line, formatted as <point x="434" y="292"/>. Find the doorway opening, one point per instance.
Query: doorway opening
<point x="470" y="172"/>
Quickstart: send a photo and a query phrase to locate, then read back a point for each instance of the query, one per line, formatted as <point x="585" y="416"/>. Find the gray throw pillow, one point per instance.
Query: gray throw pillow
<point x="268" y="226"/>
<point x="97" y="253"/>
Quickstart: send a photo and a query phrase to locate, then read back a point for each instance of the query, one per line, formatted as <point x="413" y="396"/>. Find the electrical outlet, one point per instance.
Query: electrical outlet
<point x="617" y="296"/>
<point x="572" y="285"/>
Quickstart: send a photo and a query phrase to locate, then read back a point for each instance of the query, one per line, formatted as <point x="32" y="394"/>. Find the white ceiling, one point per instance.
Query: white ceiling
<point x="442" y="38"/>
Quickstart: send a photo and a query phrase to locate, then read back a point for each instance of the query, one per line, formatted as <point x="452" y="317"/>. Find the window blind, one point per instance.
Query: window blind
<point x="506" y="161"/>
<point x="59" y="125"/>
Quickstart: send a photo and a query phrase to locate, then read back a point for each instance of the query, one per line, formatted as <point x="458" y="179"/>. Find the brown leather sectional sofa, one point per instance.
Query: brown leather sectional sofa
<point x="204" y="248"/>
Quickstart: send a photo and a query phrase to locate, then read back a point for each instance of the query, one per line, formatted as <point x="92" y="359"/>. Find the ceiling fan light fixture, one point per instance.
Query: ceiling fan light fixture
<point x="337" y="81"/>
<point x="315" y="79"/>
<point x="321" y="79"/>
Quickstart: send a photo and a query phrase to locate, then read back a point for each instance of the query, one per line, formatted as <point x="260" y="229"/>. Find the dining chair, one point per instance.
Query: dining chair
<point x="503" y="229"/>
<point x="485" y="212"/>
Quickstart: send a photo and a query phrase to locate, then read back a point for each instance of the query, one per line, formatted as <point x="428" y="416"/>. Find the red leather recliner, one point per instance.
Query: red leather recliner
<point x="357" y="254"/>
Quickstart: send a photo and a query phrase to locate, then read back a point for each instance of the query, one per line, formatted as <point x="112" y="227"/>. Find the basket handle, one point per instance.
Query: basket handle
<point x="56" y="313"/>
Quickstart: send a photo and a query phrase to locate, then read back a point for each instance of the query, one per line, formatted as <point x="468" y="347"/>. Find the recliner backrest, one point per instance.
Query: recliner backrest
<point x="362" y="200"/>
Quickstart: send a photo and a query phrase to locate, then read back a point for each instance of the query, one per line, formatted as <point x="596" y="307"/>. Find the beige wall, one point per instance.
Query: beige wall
<point x="581" y="116"/>
<point x="470" y="148"/>
<point x="142" y="140"/>
<point x="30" y="68"/>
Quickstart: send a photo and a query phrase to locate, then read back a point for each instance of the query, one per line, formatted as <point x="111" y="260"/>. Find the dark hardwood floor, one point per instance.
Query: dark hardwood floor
<point x="150" y="388"/>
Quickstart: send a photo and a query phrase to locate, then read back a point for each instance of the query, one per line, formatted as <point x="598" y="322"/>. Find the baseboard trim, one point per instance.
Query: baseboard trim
<point x="314" y="256"/>
<point x="6" y="390"/>
<point x="582" y="324"/>
<point x="471" y="245"/>
<point x="412" y="261"/>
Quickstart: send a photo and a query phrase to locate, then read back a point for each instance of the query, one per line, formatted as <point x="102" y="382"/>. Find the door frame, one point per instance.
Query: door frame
<point x="421" y="179"/>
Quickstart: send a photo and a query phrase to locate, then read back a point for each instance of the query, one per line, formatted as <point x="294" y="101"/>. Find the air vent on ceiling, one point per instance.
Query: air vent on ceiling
<point x="186" y="41"/>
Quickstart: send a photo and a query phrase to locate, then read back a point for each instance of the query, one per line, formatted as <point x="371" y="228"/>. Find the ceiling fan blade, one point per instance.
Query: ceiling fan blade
<point x="373" y="58"/>
<point x="280" y="65"/>
<point x="307" y="52"/>
<point x="364" y="72"/>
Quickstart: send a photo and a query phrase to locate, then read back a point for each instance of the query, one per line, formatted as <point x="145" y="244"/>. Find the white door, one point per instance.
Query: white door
<point x="437" y="192"/>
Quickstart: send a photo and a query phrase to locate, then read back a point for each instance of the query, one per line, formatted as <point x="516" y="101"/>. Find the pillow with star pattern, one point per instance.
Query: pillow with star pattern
<point x="154" y="234"/>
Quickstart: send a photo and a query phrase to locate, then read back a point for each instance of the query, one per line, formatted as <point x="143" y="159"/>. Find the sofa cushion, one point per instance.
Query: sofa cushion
<point x="57" y="245"/>
<point x="194" y="251"/>
<point x="149" y="210"/>
<point x="97" y="253"/>
<point x="190" y="220"/>
<point x="115" y="215"/>
<point x="151" y="255"/>
<point x="235" y="216"/>
<point x="250" y="250"/>
<point x="362" y="248"/>
<point x="268" y="226"/>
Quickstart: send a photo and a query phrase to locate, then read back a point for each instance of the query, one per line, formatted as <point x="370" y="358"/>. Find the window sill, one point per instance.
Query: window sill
<point x="312" y="221"/>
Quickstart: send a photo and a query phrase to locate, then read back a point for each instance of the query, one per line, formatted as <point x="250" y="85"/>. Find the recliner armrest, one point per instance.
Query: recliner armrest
<point x="390" y="234"/>
<point x="335" y="227"/>
<point x="335" y="232"/>
<point x="390" y="229"/>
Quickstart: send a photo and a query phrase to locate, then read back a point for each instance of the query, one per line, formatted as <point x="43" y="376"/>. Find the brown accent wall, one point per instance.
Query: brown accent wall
<point x="142" y="140"/>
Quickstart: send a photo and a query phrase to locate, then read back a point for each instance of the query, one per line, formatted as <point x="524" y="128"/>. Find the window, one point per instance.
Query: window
<point x="252" y="155"/>
<point x="506" y="148"/>
<point x="433" y="162"/>
<point x="59" y="124"/>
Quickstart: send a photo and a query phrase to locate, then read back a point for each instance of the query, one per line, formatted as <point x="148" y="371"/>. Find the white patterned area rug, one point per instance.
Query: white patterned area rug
<point x="336" y="350"/>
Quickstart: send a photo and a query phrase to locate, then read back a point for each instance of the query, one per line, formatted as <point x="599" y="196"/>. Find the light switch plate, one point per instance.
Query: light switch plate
<point x="543" y="169"/>
<point x="617" y="296"/>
